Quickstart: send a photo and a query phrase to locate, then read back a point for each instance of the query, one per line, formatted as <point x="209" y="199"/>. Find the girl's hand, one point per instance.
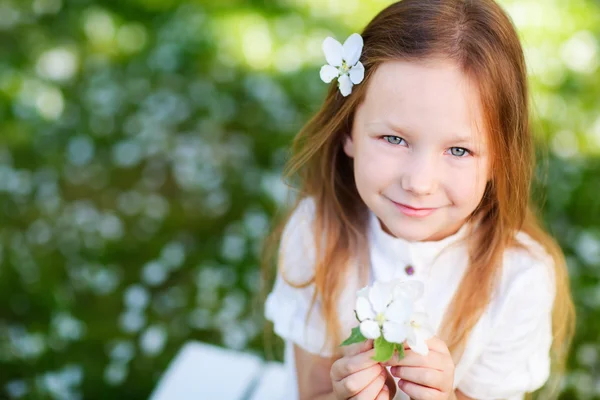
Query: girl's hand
<point x="357" y="376"/>
<point x="429" y="377"/>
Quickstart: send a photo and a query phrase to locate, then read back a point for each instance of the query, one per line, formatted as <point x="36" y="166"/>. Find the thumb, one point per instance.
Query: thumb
<point x="358" y="348"/>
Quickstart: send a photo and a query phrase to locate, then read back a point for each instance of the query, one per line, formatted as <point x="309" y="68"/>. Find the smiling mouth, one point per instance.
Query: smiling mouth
<point x="413" y="211"/>
<point x="414" y="208"/>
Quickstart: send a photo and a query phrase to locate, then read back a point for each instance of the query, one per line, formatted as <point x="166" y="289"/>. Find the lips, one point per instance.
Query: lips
<point x="412" y="211"/>
<point x="415" y="208"/>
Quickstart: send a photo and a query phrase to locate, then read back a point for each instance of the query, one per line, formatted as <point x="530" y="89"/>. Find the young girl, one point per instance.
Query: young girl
<point x="422" y="171"/>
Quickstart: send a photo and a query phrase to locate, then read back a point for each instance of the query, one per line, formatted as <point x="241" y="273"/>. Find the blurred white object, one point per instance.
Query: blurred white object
<point x="206" y="372"/>
<point x="272" y="384"/>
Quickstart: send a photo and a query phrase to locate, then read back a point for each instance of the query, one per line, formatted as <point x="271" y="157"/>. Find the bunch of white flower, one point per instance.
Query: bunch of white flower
<point x="386" y="312"/>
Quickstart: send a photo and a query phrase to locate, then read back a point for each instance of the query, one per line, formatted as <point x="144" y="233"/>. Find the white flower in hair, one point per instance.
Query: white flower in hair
<point x="342" y="62"/>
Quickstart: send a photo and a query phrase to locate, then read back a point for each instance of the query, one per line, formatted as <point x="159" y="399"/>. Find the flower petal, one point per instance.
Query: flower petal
<point x="400" y="311"/>
<point x="364" y="309"/>
<point x="333" y="51"/>
<point x="419" y="318"/>
<point x="420" y="348"/>
<point x="427" y="331"/>
<point x="370" y="329"/>
<point x="380" y="294"/>
<point x="411" y="289"/>
<point x="352" y="49"/>
<point x="345" y="85"/>
<point x="394" y="332"/>
<point x="411" y="336"/>
<point x="364" y="292"/>
<point x="357" y="73"/>
<point x="328" y="73"/>
<point x="416" y="342"/>
<point x="420" y="322"/>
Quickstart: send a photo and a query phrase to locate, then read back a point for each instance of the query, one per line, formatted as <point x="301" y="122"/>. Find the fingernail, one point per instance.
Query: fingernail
<point x="385" y="388"/>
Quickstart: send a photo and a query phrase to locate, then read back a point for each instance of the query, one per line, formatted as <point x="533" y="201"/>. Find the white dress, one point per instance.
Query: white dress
<point x="508" y="351"/>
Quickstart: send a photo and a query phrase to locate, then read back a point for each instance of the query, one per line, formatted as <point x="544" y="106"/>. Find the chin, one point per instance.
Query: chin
<point x="414" y="236"/>
<point x="410" y="233"/>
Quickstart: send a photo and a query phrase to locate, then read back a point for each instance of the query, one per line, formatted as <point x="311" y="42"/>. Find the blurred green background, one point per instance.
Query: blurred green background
<point x="141" y="148"/>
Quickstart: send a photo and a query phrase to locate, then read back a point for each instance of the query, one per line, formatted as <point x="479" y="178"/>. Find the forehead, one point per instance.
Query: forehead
<point x="436" y="98"/>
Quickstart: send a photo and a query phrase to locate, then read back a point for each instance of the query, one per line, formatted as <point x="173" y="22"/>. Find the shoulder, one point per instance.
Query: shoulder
<point x="297" y="245"/>
<point x="296" y="317"/>
<point x="514" y="356"/>
<point x="302" y="217"/>
<point x="527" y="276"/>
<point x="527" y="260"/>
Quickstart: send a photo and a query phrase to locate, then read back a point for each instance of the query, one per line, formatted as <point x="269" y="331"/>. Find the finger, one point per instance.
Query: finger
<point x="437" y="344"/>
<point x="357" y="348"/>
<point x="418" y="392"/>
<point x="422" y="376"/>
<point x="355" y="383"/>
<point x="346" y="366"/>
<point x="384" y="394"/>
<point x="372" y="389"/>
<point x="434" y="344"/>
<point x="433" y="360"/>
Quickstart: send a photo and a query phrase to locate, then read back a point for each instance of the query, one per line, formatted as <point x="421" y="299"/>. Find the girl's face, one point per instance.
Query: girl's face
<point x="417" y="144"/>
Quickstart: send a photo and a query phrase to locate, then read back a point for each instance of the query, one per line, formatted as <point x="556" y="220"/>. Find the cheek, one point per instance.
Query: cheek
<point x="375" y="167"/>
<point x="467" y="186"/>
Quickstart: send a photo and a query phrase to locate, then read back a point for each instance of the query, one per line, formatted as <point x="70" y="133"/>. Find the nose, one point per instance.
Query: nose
<point x="420" y="176"/>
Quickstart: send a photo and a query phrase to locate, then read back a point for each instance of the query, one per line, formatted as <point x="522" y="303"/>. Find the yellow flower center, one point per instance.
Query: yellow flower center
<point x="345" y="68"/>
<point x="380" y="318"/>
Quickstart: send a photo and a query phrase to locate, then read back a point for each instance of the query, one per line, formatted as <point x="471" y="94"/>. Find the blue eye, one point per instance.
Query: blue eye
<point x="393" y="139"/>
<point x="459" y="151"/>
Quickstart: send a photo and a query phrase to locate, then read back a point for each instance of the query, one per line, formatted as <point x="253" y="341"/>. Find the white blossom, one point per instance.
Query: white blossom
<point x="388" y="309"/>
<point x="384" y="309"/>
<point x="419" y="331"/>
<point x="343" y="62"/>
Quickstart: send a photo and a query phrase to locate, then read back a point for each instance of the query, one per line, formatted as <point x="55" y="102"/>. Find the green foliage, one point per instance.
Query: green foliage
<point x="384" y="350"/>
<point x="399" y="348"/>
<point x="355" y="337"/>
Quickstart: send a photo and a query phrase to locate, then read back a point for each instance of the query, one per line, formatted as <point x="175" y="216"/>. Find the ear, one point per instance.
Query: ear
<point x="349" y="145"/>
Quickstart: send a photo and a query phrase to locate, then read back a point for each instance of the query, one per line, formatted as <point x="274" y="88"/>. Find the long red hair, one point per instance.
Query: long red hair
<point x="479" y="37"/>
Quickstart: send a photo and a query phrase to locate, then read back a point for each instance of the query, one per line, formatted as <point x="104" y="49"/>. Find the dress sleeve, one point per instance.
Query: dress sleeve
<point x="287" y="306"/>
<point x="516" y="359"/>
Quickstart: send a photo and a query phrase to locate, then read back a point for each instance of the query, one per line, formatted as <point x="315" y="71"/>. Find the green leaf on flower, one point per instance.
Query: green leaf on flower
<point x="355" y="337"/>
<point x="384" y="350"/>
<point x="400" y="349"/>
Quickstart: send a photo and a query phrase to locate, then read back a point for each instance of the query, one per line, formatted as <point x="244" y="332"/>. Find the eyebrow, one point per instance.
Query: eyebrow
<point x="457" y="138"/>
<point x="461" y="140"/>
